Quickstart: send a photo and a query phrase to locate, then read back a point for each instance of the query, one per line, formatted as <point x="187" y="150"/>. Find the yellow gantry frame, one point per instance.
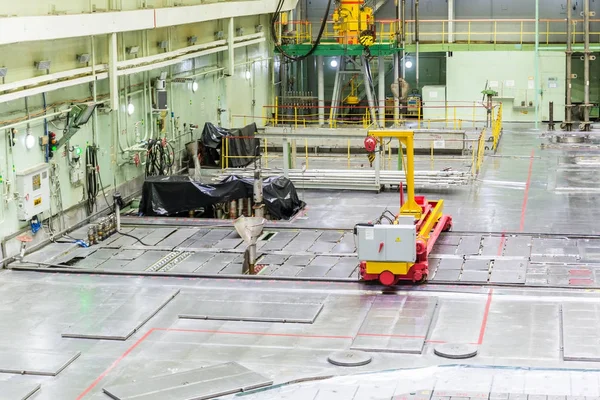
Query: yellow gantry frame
<point x="406" y="138"/>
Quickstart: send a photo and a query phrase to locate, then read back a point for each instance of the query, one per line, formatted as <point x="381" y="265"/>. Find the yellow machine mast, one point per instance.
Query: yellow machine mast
<point x="351" y="20"/>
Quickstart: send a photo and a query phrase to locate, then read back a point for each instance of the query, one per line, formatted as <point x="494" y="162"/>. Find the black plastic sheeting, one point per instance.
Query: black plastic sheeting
<point x="243" y="147"/>
<point x="174" y="195"/>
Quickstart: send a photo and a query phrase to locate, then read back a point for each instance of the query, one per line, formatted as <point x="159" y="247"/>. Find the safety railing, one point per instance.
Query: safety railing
<point x="479" y="153"/>
<point x="303" y="32"/>
<point x="497" y="128"/>
<point x="427" y="115"/>
<point x="470" y="31"/>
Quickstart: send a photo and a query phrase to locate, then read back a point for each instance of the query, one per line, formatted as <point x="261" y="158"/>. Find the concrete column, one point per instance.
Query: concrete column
<point x="113" y="58"/>
<point x="230" y="52"/>
<point x="381" y="95"/>
<point x="451" y="16"/>
<point x="321" y="89"/>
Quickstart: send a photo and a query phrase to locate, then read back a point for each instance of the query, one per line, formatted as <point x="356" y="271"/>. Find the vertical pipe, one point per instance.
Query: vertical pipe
<point x="450" y="22"/>
<point x="569" y="67"/>
<point x="230" y="52"/>
<point x="397" y="81"/>
<point x="381" y="77"/>
<point x="94" y="91"/>
<point x="403" y="22"/>
<point x="537" y="64"/>
<point x="112" y="72"/>
<point x="368" y="86"/>
<point x="321" y="89"/>
<point x="417" y="42"/>
<point x="586" y="66"/>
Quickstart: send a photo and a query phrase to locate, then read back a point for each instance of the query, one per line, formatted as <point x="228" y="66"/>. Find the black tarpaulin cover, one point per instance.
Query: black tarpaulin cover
<point x="172" y="195"/>
<point x="243" y="146"/>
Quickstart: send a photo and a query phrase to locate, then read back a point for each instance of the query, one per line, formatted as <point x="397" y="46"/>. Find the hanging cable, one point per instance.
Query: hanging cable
<point x="315" y="44"/>
<point x="159" y="160"/>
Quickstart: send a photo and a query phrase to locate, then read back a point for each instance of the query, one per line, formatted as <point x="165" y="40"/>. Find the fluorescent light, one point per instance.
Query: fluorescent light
<point x="29" y="141"/>
<point x="83" y="58"/>
<point x="248" y="74"/>
<point x="408" y="64"/>
<point x="333" y="63"/>
<point x="163" y="75"/>
<point x="3" y="72"/>
<point x="130" y="108"/>
<point x="43" y="65"/>
<point x="132" y="50"/>
<point x="194" y="86"/>
<point x="163" y="44"/>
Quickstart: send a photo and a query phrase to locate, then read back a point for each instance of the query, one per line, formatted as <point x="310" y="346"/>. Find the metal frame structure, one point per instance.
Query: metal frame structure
<point x="429" y="221"/>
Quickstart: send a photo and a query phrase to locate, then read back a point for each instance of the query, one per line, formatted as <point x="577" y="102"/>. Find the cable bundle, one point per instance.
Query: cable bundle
<point x="92" y="177"/>
<point x="160" y="158"/>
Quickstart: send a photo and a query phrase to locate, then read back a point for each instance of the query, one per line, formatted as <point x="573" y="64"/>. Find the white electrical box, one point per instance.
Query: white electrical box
<point x="33" y="187"/>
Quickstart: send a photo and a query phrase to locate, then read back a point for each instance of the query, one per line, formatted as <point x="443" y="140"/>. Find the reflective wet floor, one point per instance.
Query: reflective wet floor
<point x="516" y="280"/>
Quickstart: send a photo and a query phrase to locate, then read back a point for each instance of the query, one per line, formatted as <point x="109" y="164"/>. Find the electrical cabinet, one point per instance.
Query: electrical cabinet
<point x="33" y="187"/>
<point x="387" y="243"/>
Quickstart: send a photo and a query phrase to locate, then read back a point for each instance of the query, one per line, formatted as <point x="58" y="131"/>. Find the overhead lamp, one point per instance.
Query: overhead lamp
<point x="29" y="141"/>
<point x="259" y="28"/>
<point x="163" y="75"/>
<point x="83" y="58"/>
<point x="130" y="108"/>
<point x="43" y="65"/>
<point x="192" y="40"/>
<point x="333" y="63"/>
<point x="194" y="86"/>
<point x="219" y="35"/>
<point x="408" y="64"/>
<point x="248" y="74"/>
<point x="239" y="31"/>
<point x="3" y="72"/>
<point x="163" y="44"/>
<point x="132" y="50"/>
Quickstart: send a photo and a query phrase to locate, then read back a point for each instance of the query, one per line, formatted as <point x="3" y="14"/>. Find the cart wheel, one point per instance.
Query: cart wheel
<point x="387" y="278"/>
<point x="422" y="280"/>
<point x="448" y="227"/>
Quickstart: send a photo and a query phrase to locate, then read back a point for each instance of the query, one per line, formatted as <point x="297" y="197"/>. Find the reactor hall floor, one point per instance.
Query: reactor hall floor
<point x="511" y="311"/>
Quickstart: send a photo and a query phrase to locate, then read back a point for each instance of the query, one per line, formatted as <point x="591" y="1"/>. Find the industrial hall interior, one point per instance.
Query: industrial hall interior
<point x="300" y="199"/>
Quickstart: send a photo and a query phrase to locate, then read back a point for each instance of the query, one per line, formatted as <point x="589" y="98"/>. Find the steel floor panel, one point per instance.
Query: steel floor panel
<point x="287" y="270"/>
<point x="343" y="269"/>
<point x="34" y="362"/>
<point x="254" y="297"/>
<point x="124" y="321"/>
<point x="299" y="260"/>
<point x="580" y="332"/>
<point x="469" y="245"/>
<point x="113" y="265"/>
<point x="178" y="237"/>
<point x="253" y="311"/>
<point x="397" y="324"/>
<point x="198" y="384"/>
<point x="322" y="247"/>
<point x="314" y="271"/>
<point x="18" y="391"/>
<point x="232" y="269"/>
<point x="192" y="263"/>
<point x="331" y="236"/>
<point x="326" y="261"/>
<point x="228" y="244"/>
<point x="449" y="239"/>
<point x="474" y="276"/>
<point x="450" y="264"/>
<point x="104" y="254"/>
<point x="273" y="259"/>
<point x="128" y="254"/>
<point x="51" y="251"/>
<point x="144" y="261"/>
<point x="518" y="246"/>
<point x="443" y="249"/>
<point x="492" y="246"/>
<point x="211" y="267"/>
<point x="476" y="265"/>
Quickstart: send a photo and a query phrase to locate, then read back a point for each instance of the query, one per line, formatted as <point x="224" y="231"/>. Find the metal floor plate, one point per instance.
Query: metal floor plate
<point x="580" y="326"/>
<point x="396" y="324"/>
<point x="253" y="311"/>
<point x="124" y="321"/>
<point x="17" y="390"/>
<point x="197" y="384"/>
<point x="34" y="362"/>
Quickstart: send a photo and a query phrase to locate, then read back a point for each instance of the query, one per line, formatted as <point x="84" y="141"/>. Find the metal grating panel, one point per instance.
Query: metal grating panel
<point x="203" y="383"/>
<point x="34" y="362"/>
<point x="580" y="326"/>
<point x="18" y="390"/>
<point x="122" y="322"/>
<point x="253" y="311"/>
<point x="396" y="324"/>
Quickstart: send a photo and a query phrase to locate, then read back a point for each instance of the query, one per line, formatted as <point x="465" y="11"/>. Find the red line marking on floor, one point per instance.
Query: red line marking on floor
<point x="502" y="242"/>
<point x="114" y="364"/>
<point x="526" y="196"/>
<point x="485" y="317"/>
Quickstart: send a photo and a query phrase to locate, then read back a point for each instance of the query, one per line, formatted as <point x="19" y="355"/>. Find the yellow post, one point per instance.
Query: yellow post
<point x="296" y="117"/>
<point x="469" y="34"/>
<point x="455" y="118"/>
<point x="267" y="154"/>
<point x="418" y="114"/>
<point x="222" y="154"/>
<point x="348" y="153"/>
<point x="306" y="152"/>
<point x="226" y="152"/>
